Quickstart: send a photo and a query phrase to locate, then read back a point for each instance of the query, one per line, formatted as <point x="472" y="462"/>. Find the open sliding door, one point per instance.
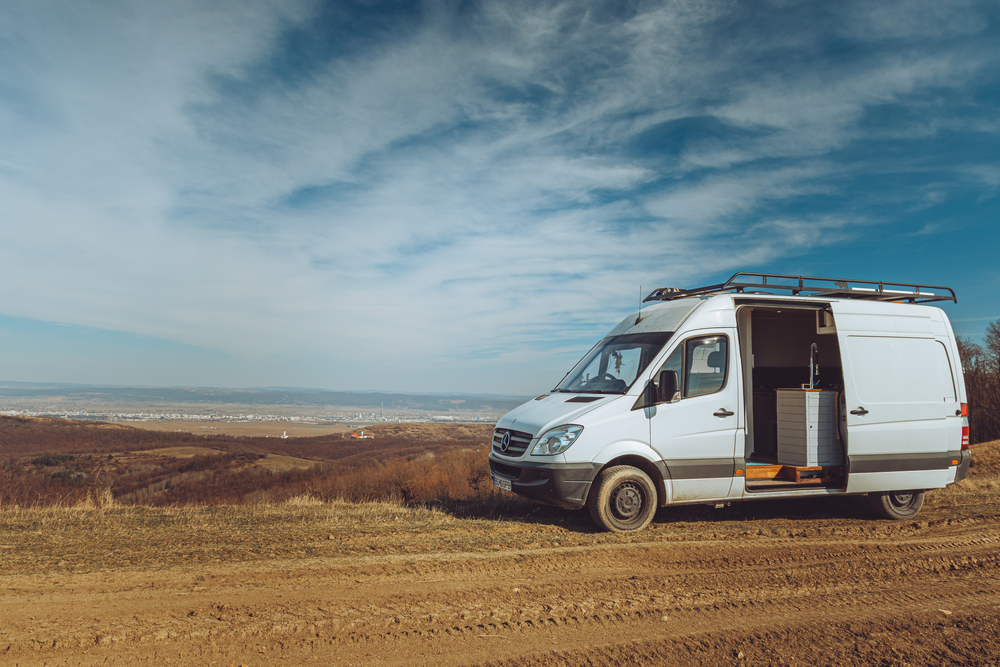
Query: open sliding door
<point x="896" y="401"/>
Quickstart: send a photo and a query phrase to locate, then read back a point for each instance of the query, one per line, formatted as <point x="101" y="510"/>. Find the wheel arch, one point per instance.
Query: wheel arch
<point x="643" y="464"/>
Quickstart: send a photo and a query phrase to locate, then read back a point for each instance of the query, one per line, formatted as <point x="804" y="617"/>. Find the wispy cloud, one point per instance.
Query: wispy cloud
<point x="432" y="198"/>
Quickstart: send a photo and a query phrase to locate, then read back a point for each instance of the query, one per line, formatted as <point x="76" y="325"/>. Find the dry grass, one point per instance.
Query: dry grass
<point x="303" y="500"/>
<point x="976" y="487"/>
<point x="87" y="539"/>
<point x="97" y="499"/>
<point x="278" y="462"/>
<point x="986" y="458"/>
<point x="982" y="486"/>
<point x="97" y="534"/>
<point x="55" y="463"/>
<point x="181" y="452"/>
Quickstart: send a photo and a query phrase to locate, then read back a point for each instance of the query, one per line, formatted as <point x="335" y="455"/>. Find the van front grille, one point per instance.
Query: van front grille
<point x="517" y="443"/>
<point x="506" y="471"/>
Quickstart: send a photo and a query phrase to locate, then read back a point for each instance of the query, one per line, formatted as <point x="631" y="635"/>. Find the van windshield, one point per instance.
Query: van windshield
<point x="613" y="364"/>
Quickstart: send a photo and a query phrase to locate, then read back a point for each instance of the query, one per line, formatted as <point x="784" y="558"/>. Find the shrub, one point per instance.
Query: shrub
<point x="49" y="460"/>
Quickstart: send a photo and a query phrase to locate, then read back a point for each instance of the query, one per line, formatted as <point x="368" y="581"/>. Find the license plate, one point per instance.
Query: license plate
<point x="502" y="483"/>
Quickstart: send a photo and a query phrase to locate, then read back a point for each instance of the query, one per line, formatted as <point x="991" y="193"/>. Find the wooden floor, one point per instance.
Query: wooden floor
<point x="794" y="474"/>
<point x="784" y="484"/>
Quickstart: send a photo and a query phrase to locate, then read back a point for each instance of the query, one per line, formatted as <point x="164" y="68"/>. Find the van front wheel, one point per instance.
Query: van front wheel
<point x="896" y="505"/>
<point x="623" y="499"/>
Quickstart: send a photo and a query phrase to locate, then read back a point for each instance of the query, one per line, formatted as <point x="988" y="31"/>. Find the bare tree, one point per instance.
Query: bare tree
<point x="991" y="348"/>
<point x="981" y="367"/>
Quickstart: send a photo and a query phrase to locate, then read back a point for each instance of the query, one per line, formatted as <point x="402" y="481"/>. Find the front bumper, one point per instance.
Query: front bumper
<point x="551" y="483"/>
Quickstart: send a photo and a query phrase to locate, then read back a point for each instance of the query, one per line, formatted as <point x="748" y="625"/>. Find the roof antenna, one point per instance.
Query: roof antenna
<point x="639" y="318"/>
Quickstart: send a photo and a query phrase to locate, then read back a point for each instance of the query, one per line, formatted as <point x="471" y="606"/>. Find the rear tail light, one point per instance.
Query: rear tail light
<point x="965" y="425"/>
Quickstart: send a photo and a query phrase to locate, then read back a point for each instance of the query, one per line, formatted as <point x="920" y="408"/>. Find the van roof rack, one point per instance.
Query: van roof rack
<point x="871" y="290"/>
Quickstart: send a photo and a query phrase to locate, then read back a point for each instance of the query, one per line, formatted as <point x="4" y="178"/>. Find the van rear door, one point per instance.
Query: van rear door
<point x="898" y="393"/>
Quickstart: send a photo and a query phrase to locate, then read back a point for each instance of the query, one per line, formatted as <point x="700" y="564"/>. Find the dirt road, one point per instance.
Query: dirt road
<point x="397" y="586"/>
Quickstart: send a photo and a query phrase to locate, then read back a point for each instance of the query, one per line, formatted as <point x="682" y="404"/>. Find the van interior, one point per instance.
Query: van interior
<point x="792" y="362"/>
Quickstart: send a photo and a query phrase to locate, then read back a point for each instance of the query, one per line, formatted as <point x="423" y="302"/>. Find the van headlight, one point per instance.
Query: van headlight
<point x="557" y="440"/>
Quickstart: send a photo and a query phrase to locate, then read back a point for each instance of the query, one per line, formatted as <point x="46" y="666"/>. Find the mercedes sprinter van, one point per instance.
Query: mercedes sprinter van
<point x="765" y="386"/>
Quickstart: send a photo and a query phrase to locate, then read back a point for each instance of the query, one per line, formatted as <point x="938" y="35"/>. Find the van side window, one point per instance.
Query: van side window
<point x="705" y="362"/>
<point x="700" y="364"/>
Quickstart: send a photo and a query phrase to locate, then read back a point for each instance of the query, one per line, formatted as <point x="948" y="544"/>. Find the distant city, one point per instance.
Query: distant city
<point x="269" y="405"/>
<point x="212" y="416"/>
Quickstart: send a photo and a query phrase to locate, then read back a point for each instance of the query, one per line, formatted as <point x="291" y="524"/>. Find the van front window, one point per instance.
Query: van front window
<point x="613" y="364"/>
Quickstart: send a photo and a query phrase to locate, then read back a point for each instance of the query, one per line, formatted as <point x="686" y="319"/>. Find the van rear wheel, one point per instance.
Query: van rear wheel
<point x="896" y="505"/>
<point x="623" y="499"/>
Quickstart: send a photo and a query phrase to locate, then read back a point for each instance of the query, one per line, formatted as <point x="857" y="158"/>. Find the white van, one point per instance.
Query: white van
<point x="765" y="386"/>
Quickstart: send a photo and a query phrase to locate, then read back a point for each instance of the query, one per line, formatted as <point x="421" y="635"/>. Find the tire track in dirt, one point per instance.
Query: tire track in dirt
<point x="918" y="637"/>
<point x="494" y="605"/>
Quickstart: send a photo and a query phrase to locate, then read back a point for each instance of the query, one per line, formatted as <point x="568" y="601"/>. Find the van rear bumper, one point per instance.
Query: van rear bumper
<point x="560" y="484"/>
<point x="963" y="465"/>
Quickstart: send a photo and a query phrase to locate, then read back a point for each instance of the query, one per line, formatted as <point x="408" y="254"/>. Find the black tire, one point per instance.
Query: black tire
<point x="623" y="499"/>
<point x="896" y="505"/>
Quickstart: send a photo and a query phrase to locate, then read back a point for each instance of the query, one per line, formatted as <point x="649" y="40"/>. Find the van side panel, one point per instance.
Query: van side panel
<point x="899" y="389"/>
<point x="897" y="481"/>
<point x="900" y="381"/>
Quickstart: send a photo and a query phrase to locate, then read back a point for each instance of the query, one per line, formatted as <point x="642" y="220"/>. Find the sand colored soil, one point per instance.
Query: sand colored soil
<point x="819" y="582"/>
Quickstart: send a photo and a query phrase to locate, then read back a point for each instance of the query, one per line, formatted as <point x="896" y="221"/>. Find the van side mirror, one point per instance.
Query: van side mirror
<point x="648" y="397"/>
<point x="651" y="396"/>
<point x="668" y="386"/>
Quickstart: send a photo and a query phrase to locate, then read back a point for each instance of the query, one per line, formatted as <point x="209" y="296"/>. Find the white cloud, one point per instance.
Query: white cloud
<point x="710" y="204"/>
<point x="466" y="191"/>
<point x="988" y="174"/>
<point x="913" y="18"/>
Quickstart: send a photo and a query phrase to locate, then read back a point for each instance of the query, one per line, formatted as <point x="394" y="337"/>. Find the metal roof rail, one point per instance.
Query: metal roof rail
<point x="871" y="290"/>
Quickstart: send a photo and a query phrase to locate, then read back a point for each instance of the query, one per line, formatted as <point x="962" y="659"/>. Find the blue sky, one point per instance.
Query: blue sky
<point x="464" y="196"/>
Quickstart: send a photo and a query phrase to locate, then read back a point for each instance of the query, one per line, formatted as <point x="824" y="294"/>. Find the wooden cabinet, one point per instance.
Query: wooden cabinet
<point x="807" y="428"/>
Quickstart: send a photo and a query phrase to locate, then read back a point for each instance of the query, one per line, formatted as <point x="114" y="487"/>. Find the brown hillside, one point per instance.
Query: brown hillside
<point x="52" y="461"/>
<point x="23" y="436"/>
<point x="986" y="458"/>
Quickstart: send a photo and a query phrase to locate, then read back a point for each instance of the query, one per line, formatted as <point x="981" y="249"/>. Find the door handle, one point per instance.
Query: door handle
<point x="861" y="412"/>
<point x="723" y="413"/>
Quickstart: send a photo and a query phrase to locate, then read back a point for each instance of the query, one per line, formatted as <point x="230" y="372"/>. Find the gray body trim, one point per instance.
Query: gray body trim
<point x="567" y="484"/>
<point x="901" y="462"/>
<point x="698" y="468"/>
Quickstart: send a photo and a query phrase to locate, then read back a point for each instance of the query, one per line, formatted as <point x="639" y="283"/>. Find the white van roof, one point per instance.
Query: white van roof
<point x="658" y="317"/>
